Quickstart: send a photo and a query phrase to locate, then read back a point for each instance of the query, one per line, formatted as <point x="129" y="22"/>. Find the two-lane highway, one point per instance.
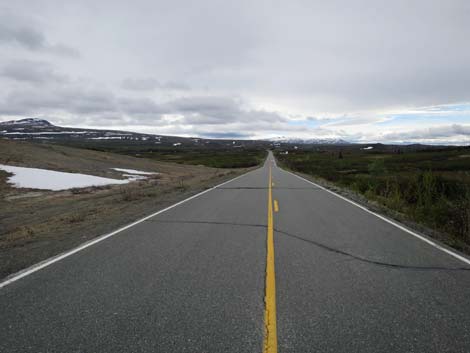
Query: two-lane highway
<point x="267" y="261"/>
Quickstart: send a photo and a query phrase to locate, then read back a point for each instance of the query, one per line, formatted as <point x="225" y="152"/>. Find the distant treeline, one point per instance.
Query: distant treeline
<point x="215" y="155"/>
<point x="230" y="158"/>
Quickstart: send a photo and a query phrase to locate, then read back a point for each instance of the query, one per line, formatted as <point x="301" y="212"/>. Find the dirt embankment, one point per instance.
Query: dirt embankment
<point x="37" y="224"/>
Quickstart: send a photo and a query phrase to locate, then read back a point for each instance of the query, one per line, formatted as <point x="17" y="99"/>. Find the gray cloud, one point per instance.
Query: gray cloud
<point x="140" y="106"/>
<point x="144" y="84"/>
<point x="150" y="84"/>
<point x="432" y="133"/>
<point x="77" y="100"/>
<point x="19" y="30"/>
<point x="32" y="71"/>
<point x="67" y="99"/>
<point x="27" y="37"/>
<point x="218" y="110"/>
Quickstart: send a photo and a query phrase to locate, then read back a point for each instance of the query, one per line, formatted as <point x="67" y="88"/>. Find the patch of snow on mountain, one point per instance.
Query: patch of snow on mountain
<point x="46" y="133"/>
<point x="27" y="121"/>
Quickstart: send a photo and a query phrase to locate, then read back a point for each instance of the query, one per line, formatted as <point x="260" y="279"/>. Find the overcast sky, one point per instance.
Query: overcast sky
<point x="389" y="71"/>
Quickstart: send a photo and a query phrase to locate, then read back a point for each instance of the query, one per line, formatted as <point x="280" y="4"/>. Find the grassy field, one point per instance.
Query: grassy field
<point x="215" y="155"/>
<point x="428" y="186"/>
<point x="214" y="159"/>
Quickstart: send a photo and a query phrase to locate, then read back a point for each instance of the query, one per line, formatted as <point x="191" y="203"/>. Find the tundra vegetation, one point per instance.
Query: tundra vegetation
<point x="429" y="186"/>
<point x="221" y="158"/>
<point x="223" y="154"/>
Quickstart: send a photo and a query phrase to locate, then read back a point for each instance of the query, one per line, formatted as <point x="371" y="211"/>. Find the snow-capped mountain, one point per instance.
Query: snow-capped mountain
<point x="32" y="122"/>
<point x="34" y="129"/>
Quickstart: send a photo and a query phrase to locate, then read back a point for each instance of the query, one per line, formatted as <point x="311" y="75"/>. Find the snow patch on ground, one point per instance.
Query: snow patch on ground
<point x="133" y="171"/>
<point x="134" y="177"/>
<point x="44" y="179"/>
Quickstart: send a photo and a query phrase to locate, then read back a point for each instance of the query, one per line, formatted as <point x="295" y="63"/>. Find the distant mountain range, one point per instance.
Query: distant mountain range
<point x="40" y="129"/>
<point x="43" y="130"/>
<point x="310" y="141"/>
<point x="33" y="128"/>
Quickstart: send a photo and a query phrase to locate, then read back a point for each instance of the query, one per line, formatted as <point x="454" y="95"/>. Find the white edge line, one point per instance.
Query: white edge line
<point x="34" y="268"/>
<point x="430" y="242"/>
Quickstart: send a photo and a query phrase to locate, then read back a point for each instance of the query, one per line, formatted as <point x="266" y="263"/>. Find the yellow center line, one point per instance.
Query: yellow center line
<point x="276" y="206"/>
<point x="270" y="334"/>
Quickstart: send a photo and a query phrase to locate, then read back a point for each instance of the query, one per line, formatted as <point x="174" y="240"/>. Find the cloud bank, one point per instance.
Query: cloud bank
<point x="365" y="71"/>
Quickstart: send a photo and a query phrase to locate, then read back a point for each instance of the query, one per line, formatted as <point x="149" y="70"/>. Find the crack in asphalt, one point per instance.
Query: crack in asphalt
<point x="373" y="262"/>
<point x="209" y="222"/>
<point x="321" y="246"/>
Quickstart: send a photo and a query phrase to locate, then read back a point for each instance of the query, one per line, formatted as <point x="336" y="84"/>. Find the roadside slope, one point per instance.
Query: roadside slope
<point x="37" y="224"/>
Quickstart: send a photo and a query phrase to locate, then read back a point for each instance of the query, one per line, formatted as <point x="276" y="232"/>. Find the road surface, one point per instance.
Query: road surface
<point x="251" y="265"/>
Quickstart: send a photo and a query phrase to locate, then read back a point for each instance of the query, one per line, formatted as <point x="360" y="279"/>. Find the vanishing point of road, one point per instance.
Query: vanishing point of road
<point x="265" y="262"/>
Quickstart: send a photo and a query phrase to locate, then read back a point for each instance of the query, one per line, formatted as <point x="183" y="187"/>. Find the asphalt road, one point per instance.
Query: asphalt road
<point x="193" y="278"/>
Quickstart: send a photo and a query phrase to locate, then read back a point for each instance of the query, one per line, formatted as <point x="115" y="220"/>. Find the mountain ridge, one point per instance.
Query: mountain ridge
<point x="42" y="129"/>
<point x="311" y="141"/>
